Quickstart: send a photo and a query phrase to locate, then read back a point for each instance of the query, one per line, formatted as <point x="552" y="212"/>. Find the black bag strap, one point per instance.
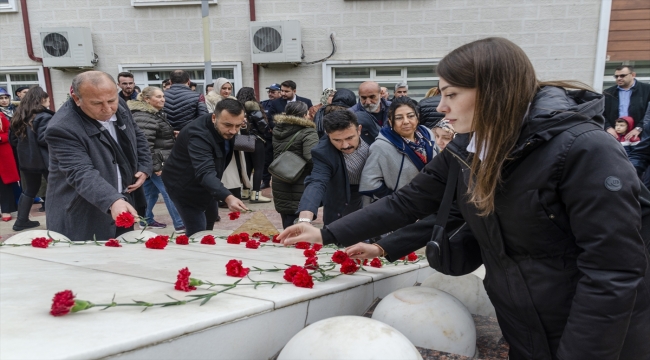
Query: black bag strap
<point x="448" y="197"/>
<point x="291" y="141"/>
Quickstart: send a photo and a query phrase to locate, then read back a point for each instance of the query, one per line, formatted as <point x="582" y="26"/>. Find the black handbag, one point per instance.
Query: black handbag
<point x="458" y="254"/>
<point x="288" y="167"/>
<point x="245" y="143"/>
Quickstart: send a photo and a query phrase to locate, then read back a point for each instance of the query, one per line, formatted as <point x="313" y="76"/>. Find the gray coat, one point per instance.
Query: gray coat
<point x="387" y="166"/>
<point x="158" y="131"/>
<point x="83" y="175"/>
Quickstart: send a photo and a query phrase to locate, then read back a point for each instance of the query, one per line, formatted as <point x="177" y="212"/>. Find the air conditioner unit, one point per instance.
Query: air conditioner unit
<point x="68" y="47"/>
<point x="275" y="42"/>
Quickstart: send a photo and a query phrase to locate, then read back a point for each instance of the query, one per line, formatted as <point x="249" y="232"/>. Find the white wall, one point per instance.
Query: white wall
<point x="560" y="37"/>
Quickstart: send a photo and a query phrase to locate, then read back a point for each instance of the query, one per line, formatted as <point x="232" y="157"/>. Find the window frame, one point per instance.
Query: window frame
<point x="21" y="70"/>
<point x="235" y="65"/>
<point x="140" y="3"/>
<point x="11" y="6"/>
<point x="328" y="68"/>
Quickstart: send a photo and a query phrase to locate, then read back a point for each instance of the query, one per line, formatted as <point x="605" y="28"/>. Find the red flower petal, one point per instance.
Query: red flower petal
<point x="311" y="263"/>
<point x="317" y="247"/>
<point x="303" y="245"/>
<point x="349" y="267"/>
<point x="112" y="243"/>
<point x="233" y="239"/>
<point x="62" y="303"/>
<point x="182" y="240"/>
<point x="339" y="257"/>
<point x="411" y="257"/>
<point x="252" y="244"/>
<point x="234" y="268"/>
<point x="234" y="215"/>
<point x="290" y="272"/>
<point x="159" y="242"/>
<point x="208" y="240"/>
<point x="124" y="220"/>
<point x="244" y="237"/>
<point x="303" y="279"/>
<point x="376" y="263"/>
<point x="309" y="253"/>
<point x="183" y="280"/>
<point x="41" y="242"/>
<point x="275" y="239"/>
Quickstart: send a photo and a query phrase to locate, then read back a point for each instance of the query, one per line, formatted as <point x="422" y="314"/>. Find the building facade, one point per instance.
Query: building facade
<point x="384" y="40"/>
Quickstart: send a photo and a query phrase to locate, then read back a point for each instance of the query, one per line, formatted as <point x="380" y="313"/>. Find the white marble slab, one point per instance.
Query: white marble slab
<point x="29" y="277"/>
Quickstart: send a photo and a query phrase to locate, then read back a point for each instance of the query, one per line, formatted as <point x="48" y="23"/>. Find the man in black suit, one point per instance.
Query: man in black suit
<point x="288" y="94"/>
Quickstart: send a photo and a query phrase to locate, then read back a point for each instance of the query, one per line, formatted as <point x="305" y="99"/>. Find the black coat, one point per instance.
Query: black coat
<point x="328" y="183"/>
<point x="566" y="266"/>
<point x="429" y="116"/>
<point x="346" y="99"/>
<point x="277" y="106"/>
<point x="638" y="104"/>
<point x="286" y="196"/>
<point x="194" y="168"/>
<point x="159" y="132"/>
<point x="183" y="105"/>
<point x="32" y="149"/>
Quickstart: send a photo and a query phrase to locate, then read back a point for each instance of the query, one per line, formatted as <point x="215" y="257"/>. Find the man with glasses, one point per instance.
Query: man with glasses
<point x="628" y="97"/>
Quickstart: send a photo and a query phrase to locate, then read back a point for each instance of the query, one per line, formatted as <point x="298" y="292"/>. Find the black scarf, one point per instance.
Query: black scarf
<point x="123" y="154"/>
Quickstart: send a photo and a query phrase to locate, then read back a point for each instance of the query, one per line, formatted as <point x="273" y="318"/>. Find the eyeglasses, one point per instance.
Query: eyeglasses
<point x="621" y="76"/>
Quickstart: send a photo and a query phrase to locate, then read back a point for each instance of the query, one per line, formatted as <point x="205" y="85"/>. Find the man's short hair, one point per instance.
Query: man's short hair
<point x="621" y="67"/>
<point x="339" y="120"/>
<point x="125" y="74"/>
<point x="179" y="77"/>
<point x="210" y="85"/>
<point x="232" y="106"/>
<point x="290" y="84"/>
<point x="93" y="76"/>
<point x="401" y="85"/>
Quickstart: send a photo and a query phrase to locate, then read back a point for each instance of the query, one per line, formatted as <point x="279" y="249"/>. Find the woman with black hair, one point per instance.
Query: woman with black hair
<point x="28" y="136"/>
<point x="258" y="126"/>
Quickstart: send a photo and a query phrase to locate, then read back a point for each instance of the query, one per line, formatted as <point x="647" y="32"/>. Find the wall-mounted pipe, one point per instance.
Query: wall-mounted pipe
<point x="256" y="68"/>
<point x="30" y="52"/>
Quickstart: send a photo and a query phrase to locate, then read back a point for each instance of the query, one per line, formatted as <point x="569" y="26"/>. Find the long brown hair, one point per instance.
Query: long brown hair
<point x="505" y="83"/>
<point x="30" y="105"/>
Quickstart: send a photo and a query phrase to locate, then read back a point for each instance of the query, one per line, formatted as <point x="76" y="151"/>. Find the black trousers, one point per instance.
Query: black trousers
<point x="31" y="182"/>
<point x="268" y="159"/>
<point x="7" y="198"/>
<point x="256" y="161"/>
<point x="196" y="218"/>
<point x="287" y="220"/>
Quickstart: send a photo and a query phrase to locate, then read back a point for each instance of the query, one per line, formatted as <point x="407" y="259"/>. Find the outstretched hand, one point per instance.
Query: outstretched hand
<point x="301" y="232"/>
<point x="363" y="251"/>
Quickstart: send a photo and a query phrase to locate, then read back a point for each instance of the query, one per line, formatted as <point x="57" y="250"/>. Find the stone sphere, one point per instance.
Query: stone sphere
<point x="468" y="289"/>
<point x="349" y="337"/>
<point x="135" y="235"/>
<point x="26" y="237"/>
<point x="429" y="318"/>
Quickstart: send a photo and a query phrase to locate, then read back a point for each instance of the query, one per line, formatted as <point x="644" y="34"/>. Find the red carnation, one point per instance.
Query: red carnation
<point x="244" y="237"/>
<point x="349" y="267"/>
<point x="208" y="240"/>
<point x="290" y="272"/>
<point x="311" y="263"/>
<point x="183" y="280"/>
<point x="182" y="240"/>
<point x="112" y="243"/>
<point x="124" y="220"/>
<point x="339" y="257"/>
<point x="234" y="268"/>
<point x="309" y="253"/>
<point x="303" y="245"/>
<point x="402" y="258"/>
<point x="233" y="239"/>
<point x="303" y="279"/>
<point x="411" y="257"/>
<point x="62" y="303"/>
<point x="252" y="244"/>
<point x="365" y="262"/>
<point x="317" y="247"/>
<point x="257" y="235"/>
<point x="234" y="215"/>
<point x="275" y="238"/>
<point x="263" y="238"/>
<point x="159" y="242"/>
<point x="376" y="263"/>
<point x="41" y="242"/>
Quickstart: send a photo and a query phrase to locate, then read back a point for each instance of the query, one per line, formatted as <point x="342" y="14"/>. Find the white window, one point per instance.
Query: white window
<point x="11" y="78"/>
<point x="641" y="68"/>
<point x="153" y="74"/>
<point x="167" y="2"/>
<point x="8" y="6"/>
<point x="420" y="75"/>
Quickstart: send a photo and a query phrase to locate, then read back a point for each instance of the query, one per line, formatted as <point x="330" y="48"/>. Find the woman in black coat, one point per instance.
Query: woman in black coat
<point x="28" y="136"/>
<point x="550" y="198"/>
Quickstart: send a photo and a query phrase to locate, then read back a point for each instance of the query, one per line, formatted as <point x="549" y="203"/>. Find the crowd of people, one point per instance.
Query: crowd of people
<point x="548" y="201"/>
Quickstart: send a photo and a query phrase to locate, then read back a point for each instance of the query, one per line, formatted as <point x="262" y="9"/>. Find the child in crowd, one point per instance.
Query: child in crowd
<point x="623" y="126"/>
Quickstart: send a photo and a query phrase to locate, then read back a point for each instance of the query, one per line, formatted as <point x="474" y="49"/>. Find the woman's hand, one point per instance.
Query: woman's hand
<point x="300" y="232"/>
<point x="363" y="251"/>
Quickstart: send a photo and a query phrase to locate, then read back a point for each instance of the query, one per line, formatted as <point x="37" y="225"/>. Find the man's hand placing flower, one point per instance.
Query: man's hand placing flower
<point x="301" y="232"/>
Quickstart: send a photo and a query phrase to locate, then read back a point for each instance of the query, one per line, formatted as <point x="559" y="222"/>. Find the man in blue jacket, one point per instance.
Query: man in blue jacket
<point x="338" y="161"/>
<point x="371" y="102"/>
